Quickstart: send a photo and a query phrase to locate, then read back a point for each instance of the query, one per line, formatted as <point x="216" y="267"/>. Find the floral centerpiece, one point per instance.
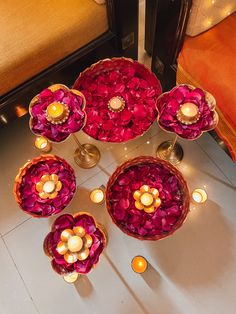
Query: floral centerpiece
<point x="57" y="112"/>
<point x="74" y="244"/>
<point x="44" y="186"/>
<point x="187" y="111"/>
<point x="121" y="97"/>
<point x="147" y="198"/>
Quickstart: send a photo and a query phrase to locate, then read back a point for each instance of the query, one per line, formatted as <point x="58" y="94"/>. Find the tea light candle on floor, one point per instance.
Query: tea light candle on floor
<point x="43" y="144"/>
<point x="199" y="196"/>
<point x="139" y="264"/>
<point x="72" y="277"/>
<point x="97" y="196"/>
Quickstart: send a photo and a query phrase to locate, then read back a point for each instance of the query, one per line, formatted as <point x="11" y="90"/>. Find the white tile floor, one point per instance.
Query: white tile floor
<point x="192" y="272"/>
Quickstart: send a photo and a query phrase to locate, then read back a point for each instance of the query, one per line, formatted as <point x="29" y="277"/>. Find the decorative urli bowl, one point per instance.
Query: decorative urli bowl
<point x="171" y="202"/>
<point x="93" y="237"/>
<point x="40" y="200"/>
<point x="74" y="120"/>
<point x="169" y="103"/>
<point x="129" y="81"/>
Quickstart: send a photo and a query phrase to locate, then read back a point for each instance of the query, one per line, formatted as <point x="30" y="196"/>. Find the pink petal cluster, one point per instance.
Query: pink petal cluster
<point x="30" y="200"/>
<point x="124" y="78"/>
<point x="165" y="219"/>
<point x="57" y="132"/>
<point x="67" y="221"/>
<point x="169" y="103"/>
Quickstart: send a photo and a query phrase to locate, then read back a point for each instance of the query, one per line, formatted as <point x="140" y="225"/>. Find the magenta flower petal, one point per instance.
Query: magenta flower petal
<point x="123" y="78"/>
<point x="65" y="221"/>
<point x="85" y="221"/>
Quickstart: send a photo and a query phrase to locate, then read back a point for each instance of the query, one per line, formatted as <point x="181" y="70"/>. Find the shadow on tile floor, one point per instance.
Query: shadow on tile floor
<point x="151" y="277"/>
<point x="200" y="252"/>
<point x="84" y="287"/>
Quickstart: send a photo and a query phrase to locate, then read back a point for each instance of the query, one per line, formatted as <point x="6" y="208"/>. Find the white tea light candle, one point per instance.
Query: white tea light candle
<point x="97" y="196"/>
<point x="43" y="144"/>
<point x="199" y="196"/>
<point x="72" y="277"/>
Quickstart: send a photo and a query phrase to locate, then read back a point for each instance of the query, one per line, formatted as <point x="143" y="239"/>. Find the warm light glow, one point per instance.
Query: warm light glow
<point x="79" y="231"/>
<point x="116" y="103"/>
<point x="209" y="22"/>
<point x="139" y="264"/>
<point x="199" y="196"/>
<point x="97" y="196"/>
<point x="66" y="234"/>
<point x="70" y="258"/>
<point x="189" y="110"/>
<point x="20" y="111"/>
<point x="62" y="248"/>
<point x="213" y="1"/>
<point x="188" y="113"/>
<point x="88" y="241"/>
<point x="82" y="255"/>
<point x="72" y="277"/>
<point x="146" y="199"/>
<point x="75" y="244"/>
<point x="49" y="186"/>
<point x="42" y="143"/>
<point x="55" y="110"/>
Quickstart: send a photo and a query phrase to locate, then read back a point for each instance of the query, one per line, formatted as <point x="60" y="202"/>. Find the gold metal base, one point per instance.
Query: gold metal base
<point x="87" y="157"/>
<point x="173" y="154"/>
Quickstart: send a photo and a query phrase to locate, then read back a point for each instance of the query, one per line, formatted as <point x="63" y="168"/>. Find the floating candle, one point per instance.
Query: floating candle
<point x="75" y="244"/>
<point x="116" y="103"/>
<point x="55" y="110"/>
<point x="146" y="199"/>
<point x="188" y="113"/>
<point x="49" y="186"/>
<point x="57" y="113"/>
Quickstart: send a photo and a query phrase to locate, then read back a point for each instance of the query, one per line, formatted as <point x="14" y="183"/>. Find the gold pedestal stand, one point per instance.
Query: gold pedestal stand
<point x="86" y="155"/>
<point x="170" y="151"/>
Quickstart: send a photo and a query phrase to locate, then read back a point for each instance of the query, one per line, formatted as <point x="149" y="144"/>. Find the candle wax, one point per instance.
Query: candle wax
<point x="75" y="244"/>
<point x="115" y="103"/>
<point x="49" y="186"/>
<point x="55" y="110"/>
<point x="146" y="199"/>
<point x="189" y="110"/>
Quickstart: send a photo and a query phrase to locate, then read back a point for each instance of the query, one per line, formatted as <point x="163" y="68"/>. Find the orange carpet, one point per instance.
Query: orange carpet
<point x="209" y="61"/>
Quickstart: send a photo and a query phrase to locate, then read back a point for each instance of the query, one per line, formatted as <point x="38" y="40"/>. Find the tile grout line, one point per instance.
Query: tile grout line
<point x="21" y="223"/>
<point x="221" y="171"/>
<point x="26" y="288"/>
